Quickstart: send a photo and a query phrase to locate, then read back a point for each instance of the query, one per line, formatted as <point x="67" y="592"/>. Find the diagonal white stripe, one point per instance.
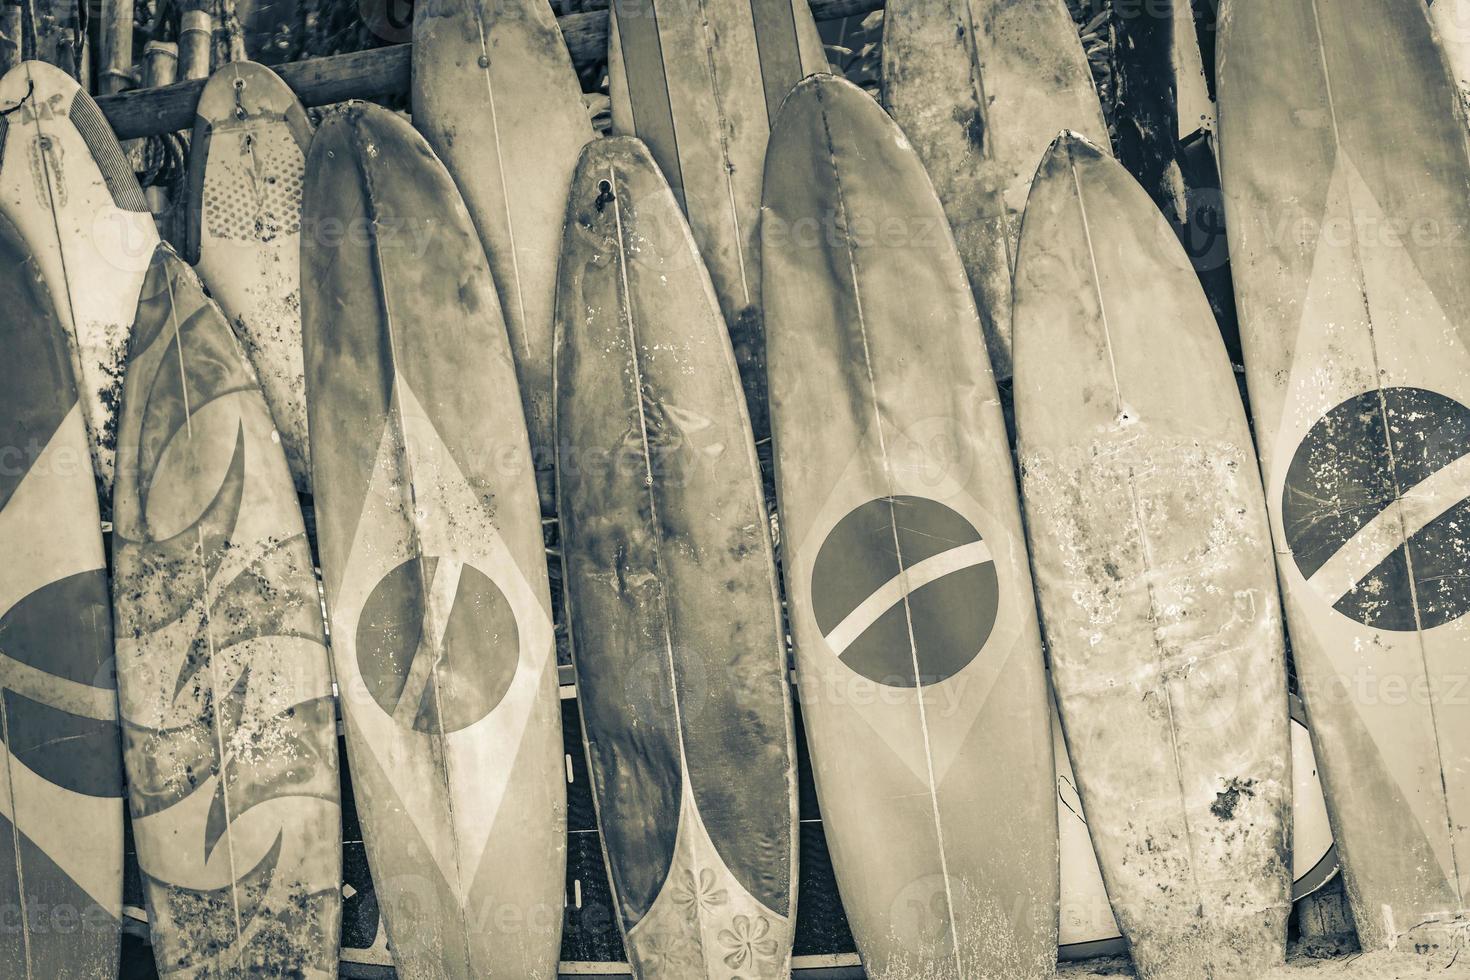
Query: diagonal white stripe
<point x="73" y="697"/>
<point x="906" y="582"/>
<point x="1419" y="506"/>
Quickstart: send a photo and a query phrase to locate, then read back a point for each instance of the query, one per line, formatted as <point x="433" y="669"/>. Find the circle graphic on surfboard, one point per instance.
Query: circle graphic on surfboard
<point x="444" y="683"/>
<point x="901" y="581"/>
<point x="1382" y="465"/>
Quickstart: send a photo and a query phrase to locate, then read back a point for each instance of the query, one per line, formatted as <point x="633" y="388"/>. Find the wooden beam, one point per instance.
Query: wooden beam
<point x="371" y="75"/>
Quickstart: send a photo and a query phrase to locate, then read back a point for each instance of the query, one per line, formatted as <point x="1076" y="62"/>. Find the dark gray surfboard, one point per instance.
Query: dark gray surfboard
<point x="671" y="588"/>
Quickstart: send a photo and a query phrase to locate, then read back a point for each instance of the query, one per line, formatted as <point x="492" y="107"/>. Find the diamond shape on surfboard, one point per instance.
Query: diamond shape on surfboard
<point x="452" y="526"/>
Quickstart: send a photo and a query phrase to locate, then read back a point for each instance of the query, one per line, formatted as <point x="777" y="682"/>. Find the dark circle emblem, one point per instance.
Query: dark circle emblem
<point x="442" y="687"/>
<point x="894" y="549"/>
<point x="1361" y="457"/>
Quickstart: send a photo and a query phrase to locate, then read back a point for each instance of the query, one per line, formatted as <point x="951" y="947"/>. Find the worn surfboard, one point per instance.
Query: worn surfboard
<point x="1154" y="577"/>
<point x="496" y="96"/>
<point x="701" y="82"/>
<point x="1452" y="21"/>
<point x="247" y="165"/>
<point x="229" y="720"/>
<point x="61" y="787"/>
<point x="671" y="587"/>
<point x="1088" y="926"/>
<point x="68" y="188"/>
<point x="981" y="88"/>
<point x="1345" y="167"/>
<point x="919" y="657"/>
<point x="435" y="573"/>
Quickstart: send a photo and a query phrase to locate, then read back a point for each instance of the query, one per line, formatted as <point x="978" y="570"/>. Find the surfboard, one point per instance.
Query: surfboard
<point x="700" y="82"/>
<point x="61" y="787"/>
<point x="229" y="719"/>
<point x="918" y="654"/>
<point x="671" y="587"/>
<point x="68" y="188"/>
<point x="1344" y="166"/>
<point x="1154" y="578"/>
<point x="247" y="164"/>
<point x="981" y="88"/>
<point x="496" y="96"/>
<point x="1088" y="927"/>
<point x="1452" y="21"/>
<point x="430" y="537"/>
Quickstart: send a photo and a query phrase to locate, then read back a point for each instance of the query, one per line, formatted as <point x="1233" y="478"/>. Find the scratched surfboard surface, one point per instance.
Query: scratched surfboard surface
<point x="1154" y="576"/>
<point x="700" y="81"/>
<point x="919" y="655"/>
<point x="981" y="88"/>
<point x="67" y="187"/>
<point x="495" y="94"/>
<point x="1452" y="21"/>
<point x="676" y="625"/>
<point x="229" y="725"/>
<point x="430" y="536"/>
<point x="247" y="168"/>
<point x="61" y="819"/>
<point x="1345" y="167"/>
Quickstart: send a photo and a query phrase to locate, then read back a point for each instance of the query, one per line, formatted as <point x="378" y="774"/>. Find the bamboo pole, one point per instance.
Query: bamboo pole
<point x="160" y="64"/>
<point x="374" y="74"/>
<point x="160" y="68"/>
<point x="196" y="38"/>
<point x="117" y="46"/>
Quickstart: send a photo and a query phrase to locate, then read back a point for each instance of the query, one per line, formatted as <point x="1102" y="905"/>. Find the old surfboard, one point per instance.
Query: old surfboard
<point x="919" y="657"/>
<point x="435" y="573"/>
<point x="495" y="94"/>
<point x="671" y="587"/>
<point x="1345" y="173"/>
<point x="1452" y="21"/>
<point x="1088" y="927"/>
<point x="68" y="188"/>
<point x="1154" y="576"/>
<point x="61" y="785"/>
<point x="700" y="82"/>
<point x="247" y="165"/>
<point x="229" y="723"/>
<point x="981" y="88"/>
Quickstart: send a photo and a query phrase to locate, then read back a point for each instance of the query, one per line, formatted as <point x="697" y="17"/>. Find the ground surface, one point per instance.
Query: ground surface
<point x="1320" y="960"/>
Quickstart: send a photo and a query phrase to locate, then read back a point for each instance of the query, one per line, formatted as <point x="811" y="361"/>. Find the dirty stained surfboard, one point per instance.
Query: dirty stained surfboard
<point x="229" y="720"/>
<point x="247" y="167"/>
<point x="1344" y="168"/>
<point x="918" y="652"/>
<point x="700" y="82"/>
<point x="61" y="784"/>
<point x="432" y="559"/>
<point x="496" y="96"/>
<point x="1088" y="926"/>
<point x="1155" y="583"/>
<point x="1452" y="21"/>
<point x="981" y="88"/>
<point x="671" y="588"/>
<point x="68" y="188"/>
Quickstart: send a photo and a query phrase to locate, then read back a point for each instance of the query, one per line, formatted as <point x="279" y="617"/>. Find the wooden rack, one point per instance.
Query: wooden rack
<point x="373" y="74"/>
